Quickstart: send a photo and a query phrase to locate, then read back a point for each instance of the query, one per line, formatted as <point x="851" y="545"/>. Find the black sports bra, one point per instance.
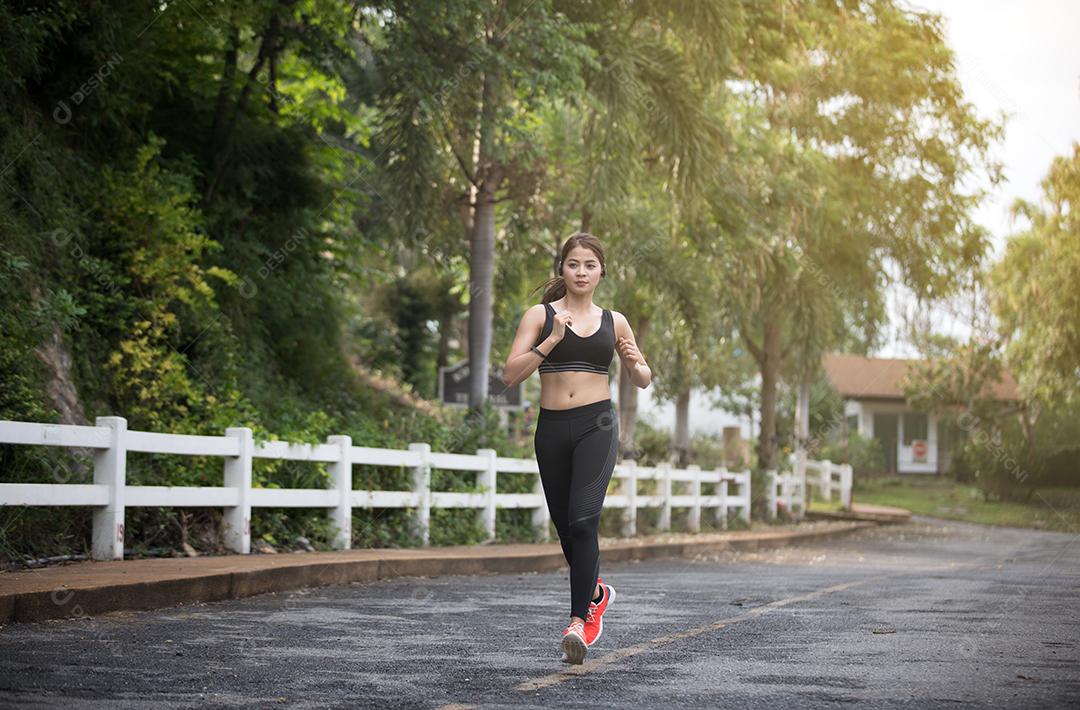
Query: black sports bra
<point x="577" y="354"/>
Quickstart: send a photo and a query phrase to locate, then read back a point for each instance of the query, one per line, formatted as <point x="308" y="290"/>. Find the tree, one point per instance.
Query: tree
<point x="854" y="150"/>
<point x="1035" y="297"/>
<point x="463" y="84"/>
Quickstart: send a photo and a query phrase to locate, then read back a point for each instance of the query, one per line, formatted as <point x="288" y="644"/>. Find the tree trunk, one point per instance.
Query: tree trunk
<point x="445" y="323"/>
<point x="223" y="135"/>
<point x="482" y="246"/>
<point x="481" y="280"/>
<point x="802" y="416"/>
<point x="770" y="376"/>
<point x="802" y="433"/>
<point x="682" y="429"/>
<point x="228" y="78"/>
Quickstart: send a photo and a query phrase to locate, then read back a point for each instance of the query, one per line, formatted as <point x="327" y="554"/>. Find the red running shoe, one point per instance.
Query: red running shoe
<point x="573" y="643"/>
<point x="594" y="621"/>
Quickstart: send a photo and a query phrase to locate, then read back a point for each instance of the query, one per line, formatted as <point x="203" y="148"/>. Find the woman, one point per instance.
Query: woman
<point x="572" y="342"/>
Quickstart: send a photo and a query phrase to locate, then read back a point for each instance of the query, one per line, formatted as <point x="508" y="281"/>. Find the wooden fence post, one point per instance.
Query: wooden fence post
<point x="665" y="489"/>
<point x="341" y="470"/>
<point x="630" y="481"/>
<point x="422" y="488"/>
<point x="722" y="491"/>
<point x="770" y="493"/>
<point x="238" y="476"/>
<point x="694" y="520"/>
<point x="845" y="485"/>
<point x="110" y="469"/>
<point x="744" y="487"/>
<point x="541" y="517"/>
<point x="488" y="478"/>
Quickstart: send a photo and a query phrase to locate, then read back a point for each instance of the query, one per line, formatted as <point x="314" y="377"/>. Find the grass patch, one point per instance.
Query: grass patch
<point x="1056" y="508"/>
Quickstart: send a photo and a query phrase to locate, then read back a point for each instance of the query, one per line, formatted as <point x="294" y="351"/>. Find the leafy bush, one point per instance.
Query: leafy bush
<point x="1001" y="462"/>
<point x="651" y="445"/>
<point x="864" y="454"/>
<point x="1062" y="466"/>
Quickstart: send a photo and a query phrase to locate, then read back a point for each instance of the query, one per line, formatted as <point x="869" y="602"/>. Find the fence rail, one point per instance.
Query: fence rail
<point x="785" y="489"/>
<point x="110" y="495"/>
<point x="831" y="477"/>
<point x="790" y="489"/>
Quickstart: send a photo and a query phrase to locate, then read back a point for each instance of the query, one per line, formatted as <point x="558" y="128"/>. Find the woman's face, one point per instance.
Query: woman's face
<point x="581" y="270"/>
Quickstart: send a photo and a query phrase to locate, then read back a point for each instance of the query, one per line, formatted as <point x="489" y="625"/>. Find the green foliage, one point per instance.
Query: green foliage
<point x="707" y="450"/>
<point x="384" y="527"/>
<point x="25" y="323"/>
<point x="1061" y="465"/>
<point x="826" y="414"/>
<point x="514" y="525"/>
<point x="864" y="454"/>
<point x="186" y="235"/>
<point x="1010" y="459"/>
<point x="964" y="379"/>
<point x="1035" y="293"/>
<point x="456" y="526"/>
<point x="651" y="446"/>
<point x="281" y="526"/>
<point x="156" y="237"/>
<point x="21" y="327"/>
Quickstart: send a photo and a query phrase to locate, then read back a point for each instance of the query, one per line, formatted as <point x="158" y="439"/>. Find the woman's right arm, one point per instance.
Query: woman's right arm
<point x="522" y="361"/>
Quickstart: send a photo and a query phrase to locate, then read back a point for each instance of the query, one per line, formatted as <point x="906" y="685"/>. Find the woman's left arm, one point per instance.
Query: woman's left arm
<point x="631" y="357"/>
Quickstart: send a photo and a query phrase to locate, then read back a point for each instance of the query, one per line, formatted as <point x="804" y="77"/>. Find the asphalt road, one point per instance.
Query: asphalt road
<point x="928" y="614"/>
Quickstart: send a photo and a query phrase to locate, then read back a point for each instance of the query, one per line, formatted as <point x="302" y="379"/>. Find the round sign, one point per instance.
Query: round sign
<point x="918" y="448"/>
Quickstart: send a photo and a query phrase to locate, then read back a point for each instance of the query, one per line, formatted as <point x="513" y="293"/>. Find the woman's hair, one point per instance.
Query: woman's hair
<point x="555" y="288"/>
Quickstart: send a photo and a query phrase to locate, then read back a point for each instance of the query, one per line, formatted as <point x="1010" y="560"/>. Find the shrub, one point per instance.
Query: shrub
<point x="1000" y="460"/>
<point x="864" y="454"/>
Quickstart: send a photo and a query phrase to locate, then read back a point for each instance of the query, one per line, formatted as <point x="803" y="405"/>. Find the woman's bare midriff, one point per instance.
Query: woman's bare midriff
<point x="564" y="390"/>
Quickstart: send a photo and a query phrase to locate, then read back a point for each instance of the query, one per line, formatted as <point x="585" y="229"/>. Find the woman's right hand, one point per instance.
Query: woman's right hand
<point x="558" y="325"/>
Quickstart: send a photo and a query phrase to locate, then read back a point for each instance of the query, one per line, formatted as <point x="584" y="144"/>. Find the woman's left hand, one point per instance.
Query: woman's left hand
<point x="628" y="350"/>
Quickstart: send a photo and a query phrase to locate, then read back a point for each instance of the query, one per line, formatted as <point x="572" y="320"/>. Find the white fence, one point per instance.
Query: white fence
<point x="787" y="489"/>
<point x="109" y="494"/>
<point x="831" y="478"/>
<point x="790" y="489"/>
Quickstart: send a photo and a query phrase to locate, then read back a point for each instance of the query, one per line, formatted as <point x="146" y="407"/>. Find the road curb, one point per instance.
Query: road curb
<point x="99" y="587"/>
<point x="869" y="513"/>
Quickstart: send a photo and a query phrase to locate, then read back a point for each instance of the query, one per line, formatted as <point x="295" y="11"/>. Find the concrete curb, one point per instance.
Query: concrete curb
<point x="92" y="588"/>
<point x="871" y="513"/>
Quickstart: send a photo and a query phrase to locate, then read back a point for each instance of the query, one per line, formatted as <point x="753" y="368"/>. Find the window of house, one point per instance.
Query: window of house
<point x="915" y="427"/>
<point x="853" y="422"/>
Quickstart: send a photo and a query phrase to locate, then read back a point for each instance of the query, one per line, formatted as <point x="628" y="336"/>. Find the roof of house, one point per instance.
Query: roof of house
<point x="859" y="377"/>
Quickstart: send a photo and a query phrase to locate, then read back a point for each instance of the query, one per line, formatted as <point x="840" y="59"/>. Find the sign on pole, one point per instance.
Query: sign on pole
<point x="454" y="387"/>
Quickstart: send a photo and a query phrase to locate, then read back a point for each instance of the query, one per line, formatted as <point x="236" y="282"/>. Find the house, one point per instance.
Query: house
<point x="874" y="405"/>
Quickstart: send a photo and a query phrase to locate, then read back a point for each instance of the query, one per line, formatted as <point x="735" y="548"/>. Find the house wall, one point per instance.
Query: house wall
<point x="854" y="408"/>
<point x="905" y="463"/>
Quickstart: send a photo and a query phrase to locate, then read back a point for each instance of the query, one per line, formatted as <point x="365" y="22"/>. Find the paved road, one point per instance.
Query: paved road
<point x="928" y="614"/>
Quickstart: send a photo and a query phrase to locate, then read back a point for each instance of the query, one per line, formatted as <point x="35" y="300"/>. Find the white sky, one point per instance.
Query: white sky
<point x="1019" y="57"/>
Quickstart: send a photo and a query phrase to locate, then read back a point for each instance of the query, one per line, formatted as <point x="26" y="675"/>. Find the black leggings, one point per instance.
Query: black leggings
<point x="576" y="450"/>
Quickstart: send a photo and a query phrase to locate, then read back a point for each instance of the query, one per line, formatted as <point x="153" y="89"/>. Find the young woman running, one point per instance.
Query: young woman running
<point x="572" y="342"/>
